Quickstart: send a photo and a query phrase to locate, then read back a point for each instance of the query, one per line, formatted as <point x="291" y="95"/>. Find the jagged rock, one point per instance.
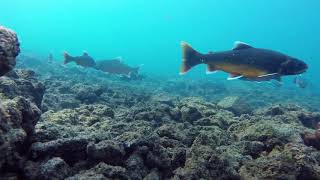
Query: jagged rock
<point x="54" y="168"/>
<point x="272" y="131"/>
<point x="20" y="95"/>
<point x="16" y="131"/>
<point x="153" y="175"/>
<point x="9" y="50"/>
<point x="59" y="102"/>
<point x="101" y="171"/>
<point x="161" y="98"/>
<point x="87" y="94"/>
<point x="108" y="151"/>
<point x="22" y="85"/>
<point x="89" y="121"/>
<point x="31" y="170"/>
<point x="235" y="105"/>
<point x="313" y="139"/>
<point x="190" y="114"/>
<point x="90" y="175"/>
<point x="203" y="163"/>
<point x="182" y="133"/>
<point x="158" y="158"/>
<point x="98" y="127"/>
<point x="135" y="164"/>
<point x="309" y="119"/>
<point x="294" y="161"/>
<point x="70" y="150"/>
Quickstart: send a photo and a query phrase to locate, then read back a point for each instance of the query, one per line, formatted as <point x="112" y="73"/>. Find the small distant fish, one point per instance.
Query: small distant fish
<point x="50" y="58"/>
<point x="300" y="82"/>
<point x="116" y="66"/>
<point x="244" y="62"/>
<point x="85" y="60"/>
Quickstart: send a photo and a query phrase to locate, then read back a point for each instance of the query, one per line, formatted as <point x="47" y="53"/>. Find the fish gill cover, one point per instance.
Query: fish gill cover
<point x="78" y="104"/>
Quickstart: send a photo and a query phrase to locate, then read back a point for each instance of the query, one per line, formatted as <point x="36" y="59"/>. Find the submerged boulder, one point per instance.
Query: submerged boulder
<point x="293" y="161"/>
<point x="107" y="151"/>
<point x="9" y="50"/>
<point x="236" y="105"/>
<point x="17" y="125"/>
<point x="22" y="83"/>
<point x="70" y="150"/>
<point x="55" y="168"/>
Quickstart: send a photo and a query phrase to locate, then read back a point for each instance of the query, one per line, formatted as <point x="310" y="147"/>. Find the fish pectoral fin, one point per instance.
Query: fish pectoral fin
<point x="85" y="53"/>
<point x="234" y="76"/>
<point x="211" y="69"/>
<point x="241" y="45"/>
<point x="278" y="78"/>
<point x="277" y="83"/>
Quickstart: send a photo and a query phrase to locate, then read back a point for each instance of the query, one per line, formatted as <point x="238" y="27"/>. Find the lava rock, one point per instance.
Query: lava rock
<point x="107" y="151"/>
<point x="294" y="161"/>
<point x="135" y="164"/>
<point x="31" y="88"/>
<point x="16" y="131"/>
<point x="18" y="116"/>
<point x="70" y="150"/>
<point x="102" y="171"/>
<point x="190" y="114"/>
<point x="9" y="50"/>
<point x="54" y="168"/>
<point x="235" y="105"/>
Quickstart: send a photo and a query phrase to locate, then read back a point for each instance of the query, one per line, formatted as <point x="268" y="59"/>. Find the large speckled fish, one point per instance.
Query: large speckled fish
<point x="116" y="66"/>
<point x="85" y="60"/>
<point x="244" y="62"/>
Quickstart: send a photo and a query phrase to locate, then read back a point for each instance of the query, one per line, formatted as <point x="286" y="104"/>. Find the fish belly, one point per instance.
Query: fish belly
<point x="241" y="69"/>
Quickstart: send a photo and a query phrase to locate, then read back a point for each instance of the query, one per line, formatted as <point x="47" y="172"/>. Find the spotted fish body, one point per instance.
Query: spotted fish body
<point x="116" y="66"/>
<point x="244" y="62"/>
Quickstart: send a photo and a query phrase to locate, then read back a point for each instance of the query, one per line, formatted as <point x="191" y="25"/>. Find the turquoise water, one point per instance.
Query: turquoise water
<point x="149" y="32"/>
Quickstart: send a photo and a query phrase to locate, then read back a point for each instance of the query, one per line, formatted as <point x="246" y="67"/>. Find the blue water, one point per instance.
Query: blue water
<point x="149" y="32"/>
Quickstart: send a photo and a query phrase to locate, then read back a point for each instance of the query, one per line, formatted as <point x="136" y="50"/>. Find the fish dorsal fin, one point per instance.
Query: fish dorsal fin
<point x="240" y="45"/>
<point x="119" y="58"/>
<point x="85" y="53"/>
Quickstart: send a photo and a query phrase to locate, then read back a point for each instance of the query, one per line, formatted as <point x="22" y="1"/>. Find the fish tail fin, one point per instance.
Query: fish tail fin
<point x="137" y="69"/>
<point x="67" y="58"/>
<point x="190" y="58"/>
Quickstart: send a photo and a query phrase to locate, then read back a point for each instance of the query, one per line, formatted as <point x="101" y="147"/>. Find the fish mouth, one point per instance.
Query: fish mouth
<point x="302" y="71"/>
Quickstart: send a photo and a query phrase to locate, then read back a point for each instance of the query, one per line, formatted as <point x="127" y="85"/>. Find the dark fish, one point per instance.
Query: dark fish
<point x="50" y="58"/>
<point x="116" y="66"/>
<point x="85" y="60"/>
<point x="300" y="82"/>
<point x="244" y="62"/>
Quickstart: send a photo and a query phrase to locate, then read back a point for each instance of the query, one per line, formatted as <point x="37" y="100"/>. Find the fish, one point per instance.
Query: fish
<point x="50" y="58"/>
<point x="244" y="62"/>
<point x="300" y="82"/>
<point x="116" y="66"/>
<point x="85" y="60"/>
